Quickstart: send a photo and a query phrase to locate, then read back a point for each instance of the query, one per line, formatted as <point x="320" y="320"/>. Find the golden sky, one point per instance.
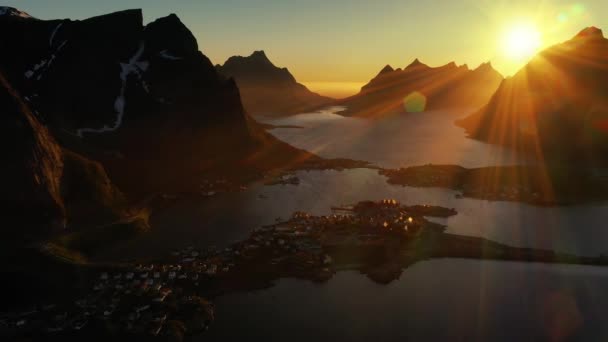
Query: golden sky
<point x="348" y="41"/>
<point x="334" y="47"/>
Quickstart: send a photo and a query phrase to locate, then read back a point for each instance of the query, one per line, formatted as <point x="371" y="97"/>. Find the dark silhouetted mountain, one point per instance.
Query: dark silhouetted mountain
<point x="32" y="168"/>
<point x="416" y="64"/>
<point x="444" y="87"/>
<point x="6" y="11"/>
<point x="267" y="89"/>
<point x="556" y="105"/>
<point x="46" y="187"/>
<point x="143" y="100"/>
<point x="386" y="69"/>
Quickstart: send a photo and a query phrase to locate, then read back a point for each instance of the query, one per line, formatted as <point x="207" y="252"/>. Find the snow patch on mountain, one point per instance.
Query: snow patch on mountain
<point x="30" y="73"/>
<point x="134" y="66"/>
<point x="54" y="33"/>
<point x="166" y="55"/>
<point x="44" y="64"/>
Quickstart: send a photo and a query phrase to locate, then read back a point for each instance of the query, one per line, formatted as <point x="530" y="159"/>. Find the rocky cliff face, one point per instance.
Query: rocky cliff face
<point x="110" y="74"/>
<point x="47" y="189"/>
<point x="419" y="87"/>
<point x="141" y="99"/>
<point x="267" y="89"/>
<point x="556" y="106"/>
<point x="32" y="169"/>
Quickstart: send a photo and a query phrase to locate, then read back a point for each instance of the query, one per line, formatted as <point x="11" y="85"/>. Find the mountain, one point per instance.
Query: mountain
<point x="12" y="12"/>
<point x="267" y="89"/>
<point x="555" y="106"/>
<point x="32" y="169"/>
<point x="47" y="188"/>
<point x="140" y="99"/>
<point x="419" y="87"/>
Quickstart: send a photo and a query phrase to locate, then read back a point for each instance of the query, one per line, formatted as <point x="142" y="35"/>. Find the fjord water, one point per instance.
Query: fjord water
<point x="436" y="300"/>
<point x="391" y="141"/>
<point x="230" y="217"/>
<point x="433" y="300"/>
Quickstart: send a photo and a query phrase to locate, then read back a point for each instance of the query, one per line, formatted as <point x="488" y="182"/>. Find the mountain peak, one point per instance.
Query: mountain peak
<point x="256" y="62"/>
<point x="169" y="34"/>
<point x="256" y="68"/>
<point x="416" y="63"/>
<point x="267" y="89"/>
<point x="590" y="32"/>
<point x="259" y="55"/>
<point x="450" y="65"/>
<point x="486" y="65"/>
<point x="13" y="12"/>
<point x="487" y="68"/>
<point x="386" y="69"/>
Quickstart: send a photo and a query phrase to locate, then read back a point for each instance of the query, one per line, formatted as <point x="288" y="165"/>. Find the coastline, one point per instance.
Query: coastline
<point x="377" y="239"/>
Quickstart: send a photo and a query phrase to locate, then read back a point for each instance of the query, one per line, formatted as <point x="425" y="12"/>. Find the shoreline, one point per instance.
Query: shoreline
<point x="546" y="185"/>
<point x="378" y="239"/>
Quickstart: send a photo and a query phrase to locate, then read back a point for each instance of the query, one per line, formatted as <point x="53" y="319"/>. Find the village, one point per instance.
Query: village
<point x="166" y="298"/>
<point x="144" y="299"/>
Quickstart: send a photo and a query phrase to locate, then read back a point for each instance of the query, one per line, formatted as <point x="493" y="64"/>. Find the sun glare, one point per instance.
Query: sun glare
<point x="521" y="41"/>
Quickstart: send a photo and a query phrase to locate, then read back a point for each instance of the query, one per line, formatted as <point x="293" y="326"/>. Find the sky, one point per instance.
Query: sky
<point x="344" y="43"/>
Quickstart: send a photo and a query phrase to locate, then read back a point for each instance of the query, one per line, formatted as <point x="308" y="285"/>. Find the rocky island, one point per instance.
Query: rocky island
<point x="546" y="185"/>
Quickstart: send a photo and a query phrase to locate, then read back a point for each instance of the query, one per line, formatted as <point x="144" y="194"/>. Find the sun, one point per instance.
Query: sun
<point x="521" y="41"/>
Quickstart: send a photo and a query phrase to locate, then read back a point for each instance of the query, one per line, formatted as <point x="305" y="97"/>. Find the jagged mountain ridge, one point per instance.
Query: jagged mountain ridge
<point x="555" y="106"/>
<point x="444" y="87"/>
<point x="267" y="89"/>
<point x="142" y="99"/>
<point x="69" y="67"/>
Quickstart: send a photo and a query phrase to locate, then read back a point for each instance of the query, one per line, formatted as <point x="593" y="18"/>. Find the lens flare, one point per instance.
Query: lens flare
<point x="415" y="102"/>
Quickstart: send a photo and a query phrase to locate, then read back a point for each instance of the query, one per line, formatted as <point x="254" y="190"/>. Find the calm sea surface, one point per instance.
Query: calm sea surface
<point x="447" y="299"/>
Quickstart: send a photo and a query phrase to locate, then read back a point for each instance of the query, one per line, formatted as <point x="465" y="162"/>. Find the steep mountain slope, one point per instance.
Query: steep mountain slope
<point x="556" y="106"/>
<point x="32" y="169"/>
<point x="143" y="100"/>
<point x="419" y="87"/>
<point x="46" y="187"/>
<point x="267" y="89"/>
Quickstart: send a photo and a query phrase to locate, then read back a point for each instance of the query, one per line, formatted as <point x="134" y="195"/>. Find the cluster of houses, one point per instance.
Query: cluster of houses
<point x="284" y="179"/>
<point x="305" y="232"/>
<point x="138" y="299"/>
<point x="141" y="299"/>
<point x="210" y="188"/>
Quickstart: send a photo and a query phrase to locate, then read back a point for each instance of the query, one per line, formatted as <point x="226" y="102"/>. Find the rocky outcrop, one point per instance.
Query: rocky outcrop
<point x="267" y="89"/>
<point x="445" y="87"/>
<point x="556" y="106"/>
